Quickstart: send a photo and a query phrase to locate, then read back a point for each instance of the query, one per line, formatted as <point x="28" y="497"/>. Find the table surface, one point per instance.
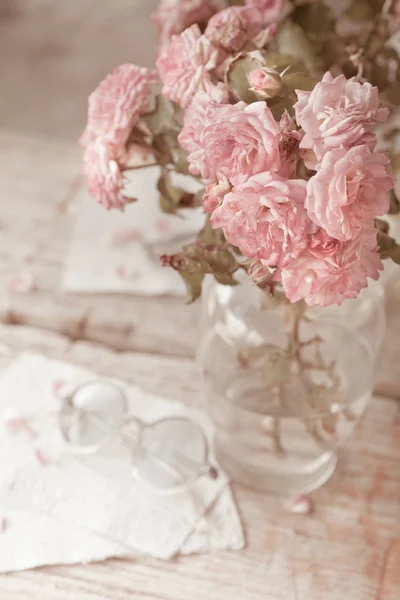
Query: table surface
<point x="349" y="549"/>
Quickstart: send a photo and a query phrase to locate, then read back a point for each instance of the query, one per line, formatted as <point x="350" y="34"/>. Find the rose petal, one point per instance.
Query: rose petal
<point x="302" y="505"/>
<point x="43" y="458"/>
<point x="124" y="236"/>
<point x="23" y="283"/>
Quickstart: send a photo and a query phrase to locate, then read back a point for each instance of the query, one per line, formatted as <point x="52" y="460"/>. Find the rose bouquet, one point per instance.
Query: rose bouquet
<point x="273" y="106"/>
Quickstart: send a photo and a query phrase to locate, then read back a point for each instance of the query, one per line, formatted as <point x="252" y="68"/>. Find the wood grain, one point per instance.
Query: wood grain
<point x="52" y="55"/>
<point x="348" y="549"/>
<point x="40" y="181"/>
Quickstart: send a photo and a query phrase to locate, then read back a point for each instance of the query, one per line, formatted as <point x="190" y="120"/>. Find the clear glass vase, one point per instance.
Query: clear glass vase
<point x="285" y="385"/>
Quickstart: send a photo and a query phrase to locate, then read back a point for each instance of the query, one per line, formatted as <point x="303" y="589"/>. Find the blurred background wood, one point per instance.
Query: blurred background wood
<point x="54" y="52"/>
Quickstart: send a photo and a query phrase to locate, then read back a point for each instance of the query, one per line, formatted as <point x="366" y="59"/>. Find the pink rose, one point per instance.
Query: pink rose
<point x="322" y="245"/>
<point x="265" y="218"/>
<point x="103" y="175"/>
<point x="350" y="189"/>
<point x="237" y="142"/>
<point x="231" y="28"/>
<point x="338" y="113"/>
<point x="183" y="66"/>
<point x="174" y="16"/>
<point x="214" y="195"/>
<point x="194" y="122"/>
<point x="117" y="103"/>
<point x="336" y="272"/>
<point x="271" y="9"/>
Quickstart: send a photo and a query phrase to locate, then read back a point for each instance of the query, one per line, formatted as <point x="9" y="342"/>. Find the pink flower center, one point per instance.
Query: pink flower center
<point x="354" y="178"/>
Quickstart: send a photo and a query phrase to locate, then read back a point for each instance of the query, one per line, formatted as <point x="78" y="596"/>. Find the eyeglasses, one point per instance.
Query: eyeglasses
<point x="167" y="455"/>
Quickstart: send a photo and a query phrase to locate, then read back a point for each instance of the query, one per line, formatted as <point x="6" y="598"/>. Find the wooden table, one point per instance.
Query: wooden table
<point x="349" y="549"/>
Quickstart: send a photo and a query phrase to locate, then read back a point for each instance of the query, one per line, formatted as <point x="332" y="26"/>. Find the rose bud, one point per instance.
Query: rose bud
<point x="267" y="82"/>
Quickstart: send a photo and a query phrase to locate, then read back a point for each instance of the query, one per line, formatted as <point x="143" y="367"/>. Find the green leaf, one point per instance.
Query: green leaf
<point x="237" y="76"/>
<point x="292" y="40"/>
<point x="194" y="283"/>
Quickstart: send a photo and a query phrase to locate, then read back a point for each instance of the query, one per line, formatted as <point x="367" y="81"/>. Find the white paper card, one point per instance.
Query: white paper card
<point x="78" y="510"/>
<point x="98" y="260"/>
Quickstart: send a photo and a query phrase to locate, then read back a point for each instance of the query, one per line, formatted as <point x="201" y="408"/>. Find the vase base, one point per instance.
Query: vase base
<point x="274" y="481"/>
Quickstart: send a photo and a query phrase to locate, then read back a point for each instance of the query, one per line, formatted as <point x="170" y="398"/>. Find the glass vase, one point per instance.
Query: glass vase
<point x="285" y="384"/>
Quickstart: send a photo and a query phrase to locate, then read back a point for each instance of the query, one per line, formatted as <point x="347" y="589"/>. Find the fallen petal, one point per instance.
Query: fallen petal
<point x="123" y="237"/>
<point x="57" y="385"/>
<point x="302" y="505"/>
<point x="42" y="457"/>
<point x="120" y="271"/>
<point x="162" y="225"/>
<point x="17" y="424"/>
<point x="3" y="524"/>
<point x="22" y="283"/>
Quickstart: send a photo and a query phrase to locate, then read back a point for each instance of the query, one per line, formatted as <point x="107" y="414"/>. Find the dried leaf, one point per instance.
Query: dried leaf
<point x="180" y="161"/>
<point x="164" y="117"/>
<point x="387" y="245"/>
<point x="395" y="255"/>
<point x="237" y="76"/>
<point x="360" y="12"/>
<point x="382" y="225"/>
<point x="193" y="282"/>
<point x="394" y="204"/>
<point x="279" y="106"/>
<point x="225" y="279"/>
<point x="280" y="62"/>
<point x="299" y="81"/>
<point x="315" y="18"/>
<point x="170" y="196"/>
<point x="210" y="235"/>
<point x="292" y="40"/>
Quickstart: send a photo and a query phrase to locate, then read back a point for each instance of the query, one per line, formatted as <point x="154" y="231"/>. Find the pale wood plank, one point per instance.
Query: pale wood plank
<point x="39" y="182"/>
<point x="348" y="549"/>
